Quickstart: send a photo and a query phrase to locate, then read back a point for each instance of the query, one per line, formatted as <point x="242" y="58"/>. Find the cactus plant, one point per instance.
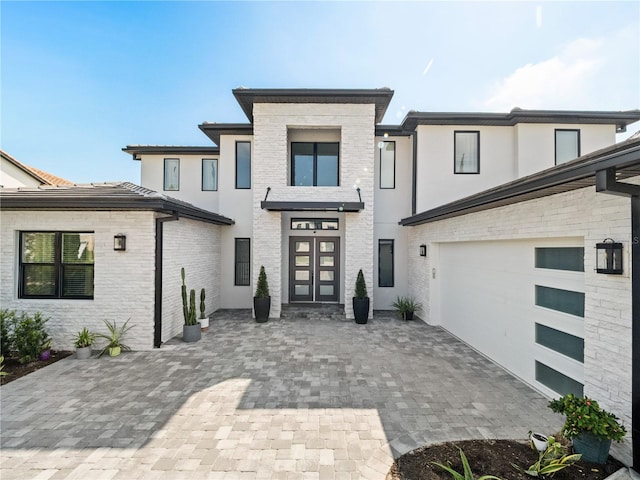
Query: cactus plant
<point x="192" y="307"/>
<point x="202" y="306"/>
<point x="188" y="310"/>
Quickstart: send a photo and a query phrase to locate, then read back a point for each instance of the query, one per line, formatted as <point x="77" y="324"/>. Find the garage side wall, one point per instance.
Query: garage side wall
<point x="196" y="247"/>
<point x="123" y="281"/>
<point x="580" y="214"/>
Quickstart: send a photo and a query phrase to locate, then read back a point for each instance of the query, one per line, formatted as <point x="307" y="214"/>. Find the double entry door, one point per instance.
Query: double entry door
<point x="314" y="265"/>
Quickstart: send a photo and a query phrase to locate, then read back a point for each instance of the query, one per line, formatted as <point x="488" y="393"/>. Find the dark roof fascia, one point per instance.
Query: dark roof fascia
<point x="579" y="173"/>
<point x="136" y="150"/>
<point x="393" y="131"/>
<point x="620" y="119"/>
<point x="247" y="97"/>
<point x="215" y="130"/>
<point x="312" y="206"/>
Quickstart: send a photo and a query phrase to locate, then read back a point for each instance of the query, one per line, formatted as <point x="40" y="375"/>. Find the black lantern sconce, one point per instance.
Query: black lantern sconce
<point x="120" y="242"/>
<point x="609" y="257"/>
<point x="423" y="250"/>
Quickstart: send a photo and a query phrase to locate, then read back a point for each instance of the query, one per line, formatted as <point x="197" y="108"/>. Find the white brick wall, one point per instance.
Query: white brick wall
<point x="270" y="166"/>
<point x="607" y="322"/>
<point x="196" y="247"/>
<point x="123" y="281"/>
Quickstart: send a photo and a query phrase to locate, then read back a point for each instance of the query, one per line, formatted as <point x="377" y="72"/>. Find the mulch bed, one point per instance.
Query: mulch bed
<point x="15" y="369"/>
<point x="488" y="457"/>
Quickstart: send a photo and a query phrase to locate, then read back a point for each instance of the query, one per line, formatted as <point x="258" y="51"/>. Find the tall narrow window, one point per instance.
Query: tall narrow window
<point x="243" y="259"/>
<point x="171" y="174"/>
<point x="385" y="263"/>
<point x="466" y="152"/>
<point x="56" y="265"/>
<point x="314" y="164"/>
<point x="388" y="165"/>
<point x="209" y="174"/>
<point x="567" y="145"/>
<point x="243" y="165"/>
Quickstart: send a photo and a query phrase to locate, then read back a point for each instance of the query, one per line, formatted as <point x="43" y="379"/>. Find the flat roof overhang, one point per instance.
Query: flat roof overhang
<point x="579" y="173"/>
<point x="276" y="206"/>
<point x="214" y="130"/>
<point x="247" y="97"/>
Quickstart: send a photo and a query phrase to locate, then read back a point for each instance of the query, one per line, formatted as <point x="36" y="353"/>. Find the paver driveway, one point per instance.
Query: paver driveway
<point x="296" y="398"/>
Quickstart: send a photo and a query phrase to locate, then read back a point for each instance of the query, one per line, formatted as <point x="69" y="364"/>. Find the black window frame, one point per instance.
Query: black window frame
<point x="236" y="281"/>
<point x="555" y="143"/>
<point x="315" y="164"/>
<point x="455" y="152"/>
<point x="58" y="265"/>
<point x="387" y="241"/>
<point x="394" y="165"/>
<point x="164" y="176"/>
<point x="215" y="188"/>
<point x="248" y="187"/>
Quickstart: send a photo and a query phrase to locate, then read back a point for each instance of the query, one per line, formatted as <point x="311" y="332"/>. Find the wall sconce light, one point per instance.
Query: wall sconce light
<point x="423" y="250"/>
<point x="120" y="242"/>
<point x="609" y="257"/>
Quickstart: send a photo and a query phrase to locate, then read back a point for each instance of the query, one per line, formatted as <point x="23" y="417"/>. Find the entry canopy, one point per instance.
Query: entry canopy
<point x="312" y="206"/>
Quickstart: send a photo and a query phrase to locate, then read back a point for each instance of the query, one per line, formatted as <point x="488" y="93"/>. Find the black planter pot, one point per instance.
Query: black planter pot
<point x="262" y="307"/>
<point x="361" y="309"/>
<point x="408" y="316"/>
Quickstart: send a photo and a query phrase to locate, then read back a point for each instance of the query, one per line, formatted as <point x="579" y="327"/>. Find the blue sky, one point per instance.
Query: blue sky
<point x="80" y="80"/>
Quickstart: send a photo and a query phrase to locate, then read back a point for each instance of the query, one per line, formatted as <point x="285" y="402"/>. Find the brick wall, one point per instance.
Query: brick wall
<point x="582" y="213"/>
<point x="123" y="281"/>
<point x="270" y="169"/>
<point x="196" y="247"/>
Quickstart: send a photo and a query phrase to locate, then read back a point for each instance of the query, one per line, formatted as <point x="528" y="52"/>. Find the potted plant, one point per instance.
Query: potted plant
<point x="191" y="330"/>
<point x="361" y="300"/>
<point x="204" y="320"/>
<point x="114" y="339"/>
<point x="262" y="299"/>
<point x="405" y="306"/>
<point x="83" y="342"/>
<point x="591" y="428"/>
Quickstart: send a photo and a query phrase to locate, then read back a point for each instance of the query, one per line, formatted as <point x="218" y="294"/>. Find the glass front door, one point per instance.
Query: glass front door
<point x="314" y="269"/>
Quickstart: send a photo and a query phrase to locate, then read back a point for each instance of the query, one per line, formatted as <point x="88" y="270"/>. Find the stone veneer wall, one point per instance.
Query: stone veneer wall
<point x="270" y="168"/>
<point x="123" y="281"/>
<point x="581" y="213"/>
<point x="196" y="247"/>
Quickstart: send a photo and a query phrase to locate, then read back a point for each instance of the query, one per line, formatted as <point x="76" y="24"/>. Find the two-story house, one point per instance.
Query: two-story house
<point x="490" y="220"/>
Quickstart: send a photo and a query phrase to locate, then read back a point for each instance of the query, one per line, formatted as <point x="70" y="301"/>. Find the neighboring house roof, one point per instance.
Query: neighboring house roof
<point x="247" y="97"/>
<point x="103" y="196"/>
<point x="579" y="173"/>
<point x="41" y="176"/>
<point x="136" y="150"/>
<point x="518" y="115"/>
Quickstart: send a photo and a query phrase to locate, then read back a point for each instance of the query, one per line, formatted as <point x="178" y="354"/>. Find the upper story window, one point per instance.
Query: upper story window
<point x="315" y="164"/>
<point x="56" y="265"/>
<point x="171" y="174"/>
<point x="209" y="174"/>
<point x="243" y="164"/>
<point x="567" y="145"/>
<point x="387" y="164"/>
<point x="466" y="152"/>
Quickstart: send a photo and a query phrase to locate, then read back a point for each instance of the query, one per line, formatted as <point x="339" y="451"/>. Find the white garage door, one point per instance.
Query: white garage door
<point x="521" y="303"/>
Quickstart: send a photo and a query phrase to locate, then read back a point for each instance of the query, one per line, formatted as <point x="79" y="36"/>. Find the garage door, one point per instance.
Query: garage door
<point x="521" y="303"/>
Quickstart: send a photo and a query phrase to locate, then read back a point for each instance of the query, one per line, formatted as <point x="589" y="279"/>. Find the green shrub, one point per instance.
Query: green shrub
<point x="30" y="337"/>
<point x="262" y="288"/>
<point x="7" y="325"/>
<point x="361" y="286"/>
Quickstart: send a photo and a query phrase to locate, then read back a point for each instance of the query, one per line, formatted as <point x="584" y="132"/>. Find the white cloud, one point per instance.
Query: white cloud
<point x="563" y="81"/>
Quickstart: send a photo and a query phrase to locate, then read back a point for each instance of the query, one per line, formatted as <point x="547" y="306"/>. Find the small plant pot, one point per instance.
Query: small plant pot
<point x="45" y="355"/>
<point x="114" y="351"/>
<point x="191" y="333"/>
<point x="361" y="309"/>
<point x="541" y="442"/>
<point x="408" y="316"/>
<point x="204" y="324"/>
<point x="82" y="353"/>
<point x="593" y="449"/>
<point x="261" y="308"/>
